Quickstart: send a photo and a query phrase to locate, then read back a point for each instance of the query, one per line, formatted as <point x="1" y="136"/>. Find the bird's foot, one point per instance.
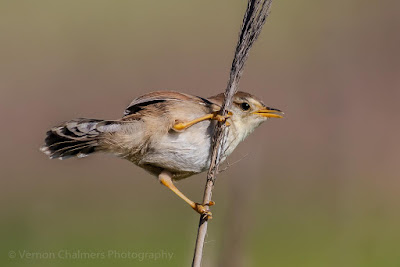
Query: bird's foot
<point x="222" y="118"/>
<point x="202" y="210"/>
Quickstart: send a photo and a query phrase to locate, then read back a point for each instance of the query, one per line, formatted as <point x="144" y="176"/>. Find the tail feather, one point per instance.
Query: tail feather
<point x="77" y="138"/>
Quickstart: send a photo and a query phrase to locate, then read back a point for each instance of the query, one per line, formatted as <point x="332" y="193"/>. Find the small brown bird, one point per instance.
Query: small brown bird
<point x="167" y="133"/>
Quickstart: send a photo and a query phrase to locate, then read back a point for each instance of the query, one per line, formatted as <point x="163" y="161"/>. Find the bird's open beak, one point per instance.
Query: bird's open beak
<point x="269" y="113"/>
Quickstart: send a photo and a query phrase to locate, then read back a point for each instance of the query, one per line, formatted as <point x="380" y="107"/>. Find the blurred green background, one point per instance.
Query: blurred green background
<point x="318" y="188"/>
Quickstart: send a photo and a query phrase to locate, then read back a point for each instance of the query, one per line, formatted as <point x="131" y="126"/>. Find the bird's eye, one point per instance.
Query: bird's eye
<point x="245" y="106"/>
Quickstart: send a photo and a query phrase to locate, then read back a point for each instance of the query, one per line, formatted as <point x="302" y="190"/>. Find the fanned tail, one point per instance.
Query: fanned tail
<point x="77" y="138"/>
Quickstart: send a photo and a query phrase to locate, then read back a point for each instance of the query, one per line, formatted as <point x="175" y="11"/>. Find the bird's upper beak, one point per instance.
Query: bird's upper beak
<point x="269" y="113"/>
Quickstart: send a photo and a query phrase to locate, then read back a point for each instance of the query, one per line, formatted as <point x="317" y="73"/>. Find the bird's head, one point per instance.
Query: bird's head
<point x="249" y="112"/>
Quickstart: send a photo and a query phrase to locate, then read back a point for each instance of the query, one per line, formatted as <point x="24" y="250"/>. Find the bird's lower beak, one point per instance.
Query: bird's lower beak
<point x="269" y="113"/>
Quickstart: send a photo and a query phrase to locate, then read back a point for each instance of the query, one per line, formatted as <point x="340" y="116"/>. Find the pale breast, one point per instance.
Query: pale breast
<point x="186" y="151"/>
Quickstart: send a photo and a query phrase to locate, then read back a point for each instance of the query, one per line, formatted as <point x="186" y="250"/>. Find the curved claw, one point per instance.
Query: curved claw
<point x="207" y="216"/>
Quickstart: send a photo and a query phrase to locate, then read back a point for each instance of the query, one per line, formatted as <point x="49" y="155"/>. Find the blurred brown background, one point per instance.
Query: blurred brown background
<point x="318" y="188"/>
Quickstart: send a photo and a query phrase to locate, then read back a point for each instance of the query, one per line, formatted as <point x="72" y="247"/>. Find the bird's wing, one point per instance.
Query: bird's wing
<point x="163" y="99"/>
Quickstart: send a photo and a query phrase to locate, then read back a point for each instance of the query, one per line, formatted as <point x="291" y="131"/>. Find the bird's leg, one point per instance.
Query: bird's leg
<point x="165" y="179"/>
<point x="212" y="116"/>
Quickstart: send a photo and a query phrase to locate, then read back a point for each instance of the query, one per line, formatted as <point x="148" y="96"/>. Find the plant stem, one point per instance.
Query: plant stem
<point x="254" y="18"/>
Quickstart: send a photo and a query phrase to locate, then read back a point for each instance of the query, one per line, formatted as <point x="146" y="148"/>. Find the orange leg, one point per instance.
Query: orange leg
<point x="213" y="116"/>
<point x="165" y="179"/>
